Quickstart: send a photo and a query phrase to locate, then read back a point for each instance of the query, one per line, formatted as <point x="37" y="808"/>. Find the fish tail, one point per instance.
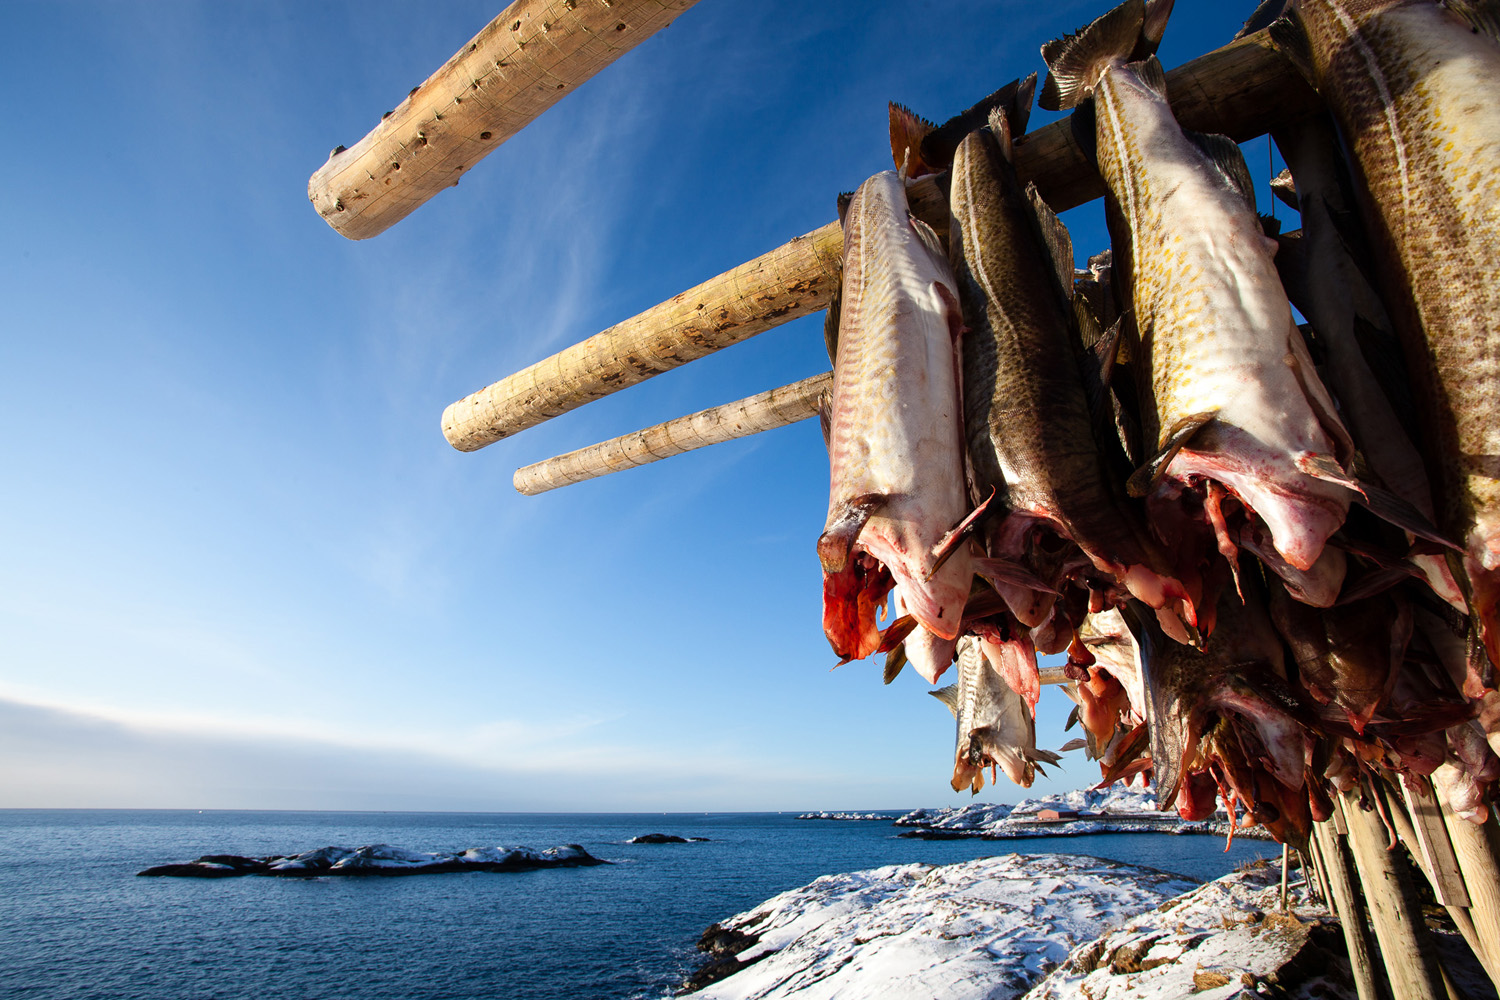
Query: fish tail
<point x="1075" y="62"/>
<point x="908" y="129"/>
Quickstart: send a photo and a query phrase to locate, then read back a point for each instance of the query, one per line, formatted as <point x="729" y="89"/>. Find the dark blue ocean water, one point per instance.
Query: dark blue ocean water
<point x="76" y="924"/>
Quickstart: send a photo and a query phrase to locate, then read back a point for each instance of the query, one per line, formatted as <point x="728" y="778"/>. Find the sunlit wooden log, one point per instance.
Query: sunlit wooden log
<point x="523" y="62"/>
<point x="1400" y="929"/>
<point x="791" y="281"/>
<point x="1350" y="909"/>
<point x="762" y="412"/>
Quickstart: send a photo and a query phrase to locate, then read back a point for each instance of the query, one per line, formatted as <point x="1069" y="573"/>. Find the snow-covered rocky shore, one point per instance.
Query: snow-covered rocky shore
<point x="1039" y="927"/>
<point x="849" y="816"/>
<point x="380" y="859"/>
<point x="1110" y="810"/>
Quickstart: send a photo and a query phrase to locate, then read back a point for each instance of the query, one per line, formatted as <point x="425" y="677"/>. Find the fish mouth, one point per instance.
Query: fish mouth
<point x="852" y="600"/>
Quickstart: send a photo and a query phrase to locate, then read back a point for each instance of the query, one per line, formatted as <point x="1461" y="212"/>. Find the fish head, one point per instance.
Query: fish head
<point x="852" y="598"/>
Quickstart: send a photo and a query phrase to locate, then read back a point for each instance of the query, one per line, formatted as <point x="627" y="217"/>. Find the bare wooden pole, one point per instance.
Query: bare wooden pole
<point x="1410" y="966"/>
<point x="1475" y="848"/>
<point x="791" y="281"/>
<point x="762" y="412"/>
<point x="1349" y="909"/>
<point x="523" y="62"/>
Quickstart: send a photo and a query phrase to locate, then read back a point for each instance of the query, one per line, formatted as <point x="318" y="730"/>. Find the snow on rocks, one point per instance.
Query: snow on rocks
<point x="824" y="814"/>
<point x="1116" y="809"/>
<point x="380" y="859"/>
<point x="985" y="928"/>
<point x="1221" y="940"/>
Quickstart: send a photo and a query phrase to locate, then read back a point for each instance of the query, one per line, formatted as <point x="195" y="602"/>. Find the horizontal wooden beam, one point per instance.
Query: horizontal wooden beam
<point x="523" y="62"/>
<point x="793" y="280"/>
<point x="1240" y="90"/>
<point x="742" y="418"/>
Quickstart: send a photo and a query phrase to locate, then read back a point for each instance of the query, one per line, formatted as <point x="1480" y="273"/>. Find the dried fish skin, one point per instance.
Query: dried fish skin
<point x="1230" y="395"/>
<point x="895" y="450"/>
<point x="1027" y="418"/>
<point x="995" y="728"/>
<point x="1413" y="87"/>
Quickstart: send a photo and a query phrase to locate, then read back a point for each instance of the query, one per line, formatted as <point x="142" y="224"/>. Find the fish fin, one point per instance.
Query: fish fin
<point x="1005" y="571"/>
<point x="894" y="661"/>
<point x="845" y="198"/>
<point x="1178" y="435"/>
<point x="907" y="132"/>
<point x="1317" y="396"/>
<point x="948" y="696"/>
<point x="1392" y="507"/>
<point x="842" y="530"/>
<point x="1073" y="719"/>
<point x="1271" y="226"/>
<point x="1224" y="153"/>
<point x="1152" y="28"/>
<point x="1284" y="187"/>
<point x="1075" y="61"/>
<point x="1083" y="127"/>
<point x="1039" y="756"/>
<point x="1013" y="100"/>
<point x="895" y="634"/>
<point x="1055" y="235"/>
<point x="1482" y="16"/>
<point x="825" y="416"/>
<point x="929" y="238"/>
<point x="831" y="320"/>
<point x="1290" y="39"/>
<point x="1074" y="744"/>
<point x="1265" y="14"/>
<point x="1152" y="75"/>
<point x="951" y="541"/>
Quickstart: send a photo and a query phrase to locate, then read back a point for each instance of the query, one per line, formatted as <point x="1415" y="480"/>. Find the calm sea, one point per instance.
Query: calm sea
<point x="76" y="923"/>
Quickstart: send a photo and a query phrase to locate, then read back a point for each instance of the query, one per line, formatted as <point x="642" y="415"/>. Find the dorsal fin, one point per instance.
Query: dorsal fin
<point x="1014" y="99"/>
<point x="831" y="321"/>
<point x="1074" y="62"/>
<point x="1482" y="16"/>
<point x="1284" y="187"/>
<point x="1059" y="243"/>
<point x="948" y="696"/>
<point x="1152" y="75"/>
<point x="894" y="661"/>
<point x="1265" y="14"/>
<point x="846" y="198"/>
<point x="1224" y="153"/>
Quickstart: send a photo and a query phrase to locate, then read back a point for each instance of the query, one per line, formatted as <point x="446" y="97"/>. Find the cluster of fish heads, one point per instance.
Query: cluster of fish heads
<point x="1270" y="552"/>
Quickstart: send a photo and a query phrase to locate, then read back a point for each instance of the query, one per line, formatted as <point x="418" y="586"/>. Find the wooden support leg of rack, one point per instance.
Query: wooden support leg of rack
<point x="1475" y="848"/>
<point x="1420" y="826"/>
<point x="1351" y="914"/>
<point x="1410" y="964"/>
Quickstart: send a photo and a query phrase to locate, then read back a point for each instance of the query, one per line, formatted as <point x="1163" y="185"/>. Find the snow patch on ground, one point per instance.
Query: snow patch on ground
<point x="1218" y="941"/>
<point x="987" y="928"/>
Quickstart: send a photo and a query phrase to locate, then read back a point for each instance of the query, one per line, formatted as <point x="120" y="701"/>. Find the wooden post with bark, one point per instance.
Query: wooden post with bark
<point x="523" y="62"/>
<point x="1348" y="907"/>
<point x="1410" y="966"/>
<point x="762" y="412"/>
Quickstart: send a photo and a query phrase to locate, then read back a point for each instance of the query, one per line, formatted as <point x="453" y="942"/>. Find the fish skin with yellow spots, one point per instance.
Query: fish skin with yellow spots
<point x="1415" y="88"/>
<point x="1230" y="396"/>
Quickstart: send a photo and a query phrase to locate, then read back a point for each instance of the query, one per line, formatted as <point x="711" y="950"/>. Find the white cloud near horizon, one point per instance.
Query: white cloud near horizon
<point x="54" y="757"/>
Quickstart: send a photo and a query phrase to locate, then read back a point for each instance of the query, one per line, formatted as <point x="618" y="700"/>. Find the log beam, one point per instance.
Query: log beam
<point x="523" y="62"/>
<point x="762" y="412"/>
<point x="793" y="280"/>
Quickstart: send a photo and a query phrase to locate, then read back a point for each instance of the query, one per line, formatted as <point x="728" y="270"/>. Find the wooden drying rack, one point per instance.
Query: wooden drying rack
<point x="537" y="51"/>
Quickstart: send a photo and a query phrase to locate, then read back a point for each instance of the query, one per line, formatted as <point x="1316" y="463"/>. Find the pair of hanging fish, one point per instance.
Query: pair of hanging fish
<point x="978" y="426"/>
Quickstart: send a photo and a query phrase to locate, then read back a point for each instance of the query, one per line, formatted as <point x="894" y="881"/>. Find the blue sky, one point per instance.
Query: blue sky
<point x="242" y="568"/>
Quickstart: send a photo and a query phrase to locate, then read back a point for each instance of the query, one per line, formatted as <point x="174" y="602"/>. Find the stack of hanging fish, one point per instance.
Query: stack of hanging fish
<point x="1270" y="553"/>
